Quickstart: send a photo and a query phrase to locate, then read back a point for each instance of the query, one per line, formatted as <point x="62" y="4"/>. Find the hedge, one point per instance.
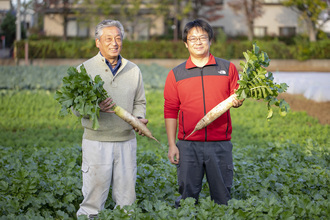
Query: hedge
<point x="75" y="49"/>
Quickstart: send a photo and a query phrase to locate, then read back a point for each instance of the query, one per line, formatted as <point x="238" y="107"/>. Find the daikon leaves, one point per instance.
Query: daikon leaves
<point x="258" y="83"/>
<point x="82" y="94"/>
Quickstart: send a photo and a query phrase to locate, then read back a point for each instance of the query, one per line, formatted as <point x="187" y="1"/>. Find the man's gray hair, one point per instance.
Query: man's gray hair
<point x="108" y="23"/>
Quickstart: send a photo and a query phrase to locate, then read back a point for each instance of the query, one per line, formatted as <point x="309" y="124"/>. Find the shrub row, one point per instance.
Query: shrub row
<point x="50" y="77"/>
<point x="73" y="49"/>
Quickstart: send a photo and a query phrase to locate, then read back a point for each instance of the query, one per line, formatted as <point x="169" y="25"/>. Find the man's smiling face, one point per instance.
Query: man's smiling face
<point x="198" y="43"/>
<point x="110" y="43"/>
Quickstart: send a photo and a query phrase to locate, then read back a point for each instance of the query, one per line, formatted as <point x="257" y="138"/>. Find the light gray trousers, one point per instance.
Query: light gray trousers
<point x="105" y="164"/>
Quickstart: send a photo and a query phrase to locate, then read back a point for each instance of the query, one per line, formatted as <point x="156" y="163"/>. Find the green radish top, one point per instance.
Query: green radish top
<point x="81" y="93"/>
<point x="258" y="83"/>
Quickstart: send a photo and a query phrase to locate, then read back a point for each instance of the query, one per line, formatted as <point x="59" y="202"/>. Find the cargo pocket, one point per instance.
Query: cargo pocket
<point x="85" y="177"/>
<point x="229" y="176"/>
<point x="84" y="167"/>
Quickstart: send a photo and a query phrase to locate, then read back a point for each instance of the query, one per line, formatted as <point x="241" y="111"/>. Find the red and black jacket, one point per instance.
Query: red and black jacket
<point x="192" y="91"/>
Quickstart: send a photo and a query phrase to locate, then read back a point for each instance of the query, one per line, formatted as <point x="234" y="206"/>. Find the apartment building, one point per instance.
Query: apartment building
<point x="143" y="26"/>
<point x="276" y="20"/>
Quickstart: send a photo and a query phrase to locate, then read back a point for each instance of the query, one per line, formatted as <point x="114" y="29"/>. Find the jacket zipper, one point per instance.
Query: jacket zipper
<point x="202" y="76"/>
<point x="227" y="124"/>
<point x="184" y="131"/>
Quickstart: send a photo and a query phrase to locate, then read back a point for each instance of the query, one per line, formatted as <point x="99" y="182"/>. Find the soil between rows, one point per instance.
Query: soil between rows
<point x="319" y="110"/>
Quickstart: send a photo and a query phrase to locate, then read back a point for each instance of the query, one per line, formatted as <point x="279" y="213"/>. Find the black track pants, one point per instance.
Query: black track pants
<point x="212" y="158"/>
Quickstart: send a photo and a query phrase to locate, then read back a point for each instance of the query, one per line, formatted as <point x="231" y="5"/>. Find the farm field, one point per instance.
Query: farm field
<point x="281" y="166"/>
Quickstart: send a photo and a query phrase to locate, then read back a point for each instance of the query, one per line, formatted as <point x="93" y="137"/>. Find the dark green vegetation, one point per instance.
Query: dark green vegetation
<point x="256" y="82"/>
<point x="281" y="166"/>
<point x="82" y="93"/>
<point x="300" y="49"/>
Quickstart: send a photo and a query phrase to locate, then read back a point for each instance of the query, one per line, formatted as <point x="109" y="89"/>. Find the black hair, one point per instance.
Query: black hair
<point x="198" y="23"/>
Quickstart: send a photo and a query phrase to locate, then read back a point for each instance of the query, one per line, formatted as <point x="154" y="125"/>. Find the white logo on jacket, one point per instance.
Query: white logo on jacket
<point x="222" y="72"/>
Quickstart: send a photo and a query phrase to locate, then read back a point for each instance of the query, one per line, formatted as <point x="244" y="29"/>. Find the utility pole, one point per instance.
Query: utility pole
<point x="18" y="21"/>
<point x="18" y="29"/>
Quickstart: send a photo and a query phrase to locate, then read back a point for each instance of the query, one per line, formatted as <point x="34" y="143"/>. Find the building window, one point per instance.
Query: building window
<point x="287" y="31"/>
<point x="260" y="31"/>
<point x="83" y="30"/>
<point x="77" y="29"/>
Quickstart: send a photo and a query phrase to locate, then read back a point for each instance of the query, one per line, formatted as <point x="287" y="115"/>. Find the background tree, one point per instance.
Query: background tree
<point x="251" y="9"/>
<point x="65" y="8"/>
<point x="133" y="13"/>
<point x="8" y="27"/>
<point x="207" y="9"/>
<point x="130" y="13"/>
<point x="39" y="8"/>
<point x="92" y="11"/>
<point x="193" y="9"/>
<point x="61" y="7"/>
<point x="181" y="9"/>
<point x="25" y="6"/>
<point x="309" y="11"/>
<point x="165" y="9"/>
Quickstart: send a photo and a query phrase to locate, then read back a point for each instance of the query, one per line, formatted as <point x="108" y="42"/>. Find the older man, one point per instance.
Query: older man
<point x="109" y="153"/>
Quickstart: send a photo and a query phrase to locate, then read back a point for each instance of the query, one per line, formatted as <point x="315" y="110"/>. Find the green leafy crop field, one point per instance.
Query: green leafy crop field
<point x="281" y="166"/>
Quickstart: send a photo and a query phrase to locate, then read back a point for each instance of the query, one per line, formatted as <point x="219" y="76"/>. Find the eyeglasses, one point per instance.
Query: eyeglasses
<point x="109" y="40"/>
<point x="202" y="38"/>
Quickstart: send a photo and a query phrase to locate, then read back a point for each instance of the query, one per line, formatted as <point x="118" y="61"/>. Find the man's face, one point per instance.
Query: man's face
<point x="198" y="43"/>
<point x="110" y="43"/>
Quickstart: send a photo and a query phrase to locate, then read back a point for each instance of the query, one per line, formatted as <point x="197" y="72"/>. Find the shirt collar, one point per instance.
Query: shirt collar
<point x="113" y="70"/>
<point x="190" y="64"/>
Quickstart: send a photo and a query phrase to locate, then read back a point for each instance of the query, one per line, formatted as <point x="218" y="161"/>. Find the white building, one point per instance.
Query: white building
<point x="277" y="20"/>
